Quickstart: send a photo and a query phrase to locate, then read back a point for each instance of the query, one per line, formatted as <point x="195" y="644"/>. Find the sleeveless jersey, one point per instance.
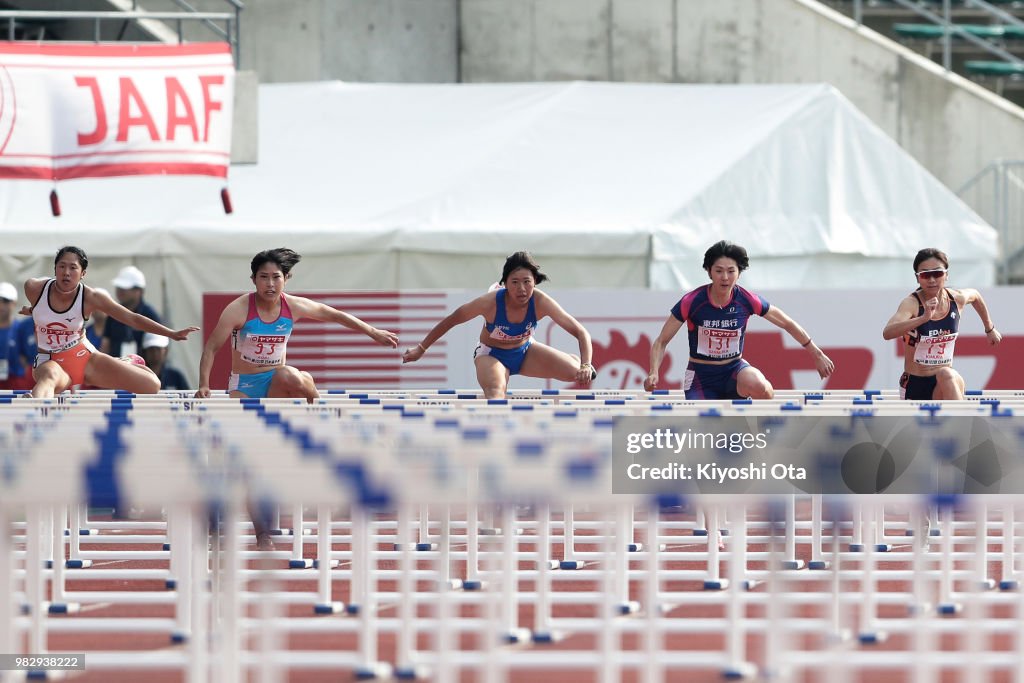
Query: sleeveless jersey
<point x="933" y="341"/>
<point x="717" y="333"/>
<point x="504" y="331"/>
<point x="263" y="343"/>
<point x="58" y="331"/>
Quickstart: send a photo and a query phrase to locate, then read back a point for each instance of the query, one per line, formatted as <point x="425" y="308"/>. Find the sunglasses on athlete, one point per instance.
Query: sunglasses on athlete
<point x="933" y="274"/>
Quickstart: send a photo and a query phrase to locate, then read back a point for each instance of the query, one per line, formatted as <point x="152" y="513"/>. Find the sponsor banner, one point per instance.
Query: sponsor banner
<point x="81" y="110"/>
<point x="811" y="454"/>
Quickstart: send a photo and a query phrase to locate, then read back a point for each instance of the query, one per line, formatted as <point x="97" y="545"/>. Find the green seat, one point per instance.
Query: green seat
<point x="935" y="32"/>
<point x="983" y="67"/>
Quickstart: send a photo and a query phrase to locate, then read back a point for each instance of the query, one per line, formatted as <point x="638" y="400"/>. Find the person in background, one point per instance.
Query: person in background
<point x="97" y="323"/>
<point x="12" y="370"/>
<point x="120" y="339"/>
<point x="154" y="351"/>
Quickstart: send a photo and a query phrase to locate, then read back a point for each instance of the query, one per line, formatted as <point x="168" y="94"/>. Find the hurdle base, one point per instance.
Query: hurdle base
<point x="171" y="584"/>
<point x="572" y="564"/>
<point x="450" y="584"/>
<point x="883" y="547"/>
<point x="63" y="607"/>
<point x="634" y="547"/>
<point x="700" y="532"/>
<point x="515" y="636"/>
<point x="750" y="584"/>
<point x="627" y="608"/>
<point x="374" y="671"/>
<point x="949" y="608"/>
<point x="1009" y="585"/>
<point x="77" y="564"/>
<point x="986" y="584"/>
<point x="856" y="547"/>
<point x="551" y="564"/>
<point x="473" y="585"/>
<point x="300" y="564"/>
<point x="43" y="675"/>
<point x="179" y="637"/>
<point x="920" y="608"/>
<point x="423" y="547"/>
<point x="791" y="564"/>
<point x="165" y="547"/>
<point x="411" y="673"/>
<point x="872" y="637"/>
<point x="329" y="608"/>
<point x="818" y="564"/>
<point x="332" y="565"/>
<point x="739" y="672"/>
<point x="547" y="637"/>
<point x="716" y="584"/>
<point x="843" y="635"/>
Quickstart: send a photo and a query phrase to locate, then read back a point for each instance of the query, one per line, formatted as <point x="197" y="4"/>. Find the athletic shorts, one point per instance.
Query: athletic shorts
<point x="254" y="385"/>
<point x="917" y="388"/>
<point x="72" y="361"/>
<point x="512" y="359"/>
<point x="704" y="381"/>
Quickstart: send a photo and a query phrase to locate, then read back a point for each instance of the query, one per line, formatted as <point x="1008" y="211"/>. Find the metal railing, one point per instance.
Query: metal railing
<point x="229" y="32"/>
<point x="997" y="193"/>
<point x="951" y="29"/>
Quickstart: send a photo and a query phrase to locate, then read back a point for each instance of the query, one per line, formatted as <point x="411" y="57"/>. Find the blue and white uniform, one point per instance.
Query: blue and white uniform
<point x="933" y="343"/>
<point x="716" y="334"/>
<point x="502" y="330"/>
<point x="260" y="343"/>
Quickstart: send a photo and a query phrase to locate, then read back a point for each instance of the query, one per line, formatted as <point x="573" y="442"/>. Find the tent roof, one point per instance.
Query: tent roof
<point x="632" y="169"/>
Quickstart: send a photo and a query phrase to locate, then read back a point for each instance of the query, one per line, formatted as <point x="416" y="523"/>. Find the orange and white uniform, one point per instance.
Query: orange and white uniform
<point x="60" y="335"/>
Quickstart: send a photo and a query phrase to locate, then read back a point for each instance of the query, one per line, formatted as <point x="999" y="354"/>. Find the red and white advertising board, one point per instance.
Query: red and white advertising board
<point x="83" y="110"/>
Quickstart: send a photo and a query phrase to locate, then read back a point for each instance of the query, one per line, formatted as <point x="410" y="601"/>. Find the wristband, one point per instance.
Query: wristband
<point x="990" y="329"/>
<point x="806" y="343"/>
<point x="422" y="347"/>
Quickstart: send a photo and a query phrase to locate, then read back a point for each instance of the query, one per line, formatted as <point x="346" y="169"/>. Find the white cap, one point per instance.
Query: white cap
<point x="7" y="291"/>
<point x="149" y="340"/>
<point x="130" y="277"/>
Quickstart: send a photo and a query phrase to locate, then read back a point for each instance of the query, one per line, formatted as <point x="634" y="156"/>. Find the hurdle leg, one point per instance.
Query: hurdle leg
<point x="230" y="600"/>
<point x="472" y="580"/>
<point x="542" y="631"/>
<point x="569" y="541"/>
<point x="982" y="580"/>
<point x="714" y="582"/>
<point x="298" y="529"/>
<point x="182" y="549"/>
<point x="817" y="561"/>
<point x="76" y="531"/>
<point x="198" y="660"/>
<point x="34" y="578"/>
<point x="424" y="542"/>
<point x="7" y="605"/>
<point x="737" y="666"/>
<point x="1009" y="578"/>
<point x="405" y="655"/>
<point x="869" y="634"/>
<point x="58" y="604"/>
<point x="357" y="548"/>
<point x="653" y="671"/>
<point x="790" y="561"/>
<point x="444" y="545"/>
<point x="947" y="604"/>
<point x="613" y="548"/>
<point x="623" y="531"/>
<point x="364" y="562"/>
<point x="857" y="542"/>
<point x="325" y="604"/>
<point x="511" y="633"/>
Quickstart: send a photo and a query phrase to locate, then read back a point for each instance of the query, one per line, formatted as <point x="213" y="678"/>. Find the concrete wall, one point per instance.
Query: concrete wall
<point x="949" y="124"/>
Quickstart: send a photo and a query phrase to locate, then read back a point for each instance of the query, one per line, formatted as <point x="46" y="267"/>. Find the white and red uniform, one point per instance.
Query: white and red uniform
<point x="60" y="335"/>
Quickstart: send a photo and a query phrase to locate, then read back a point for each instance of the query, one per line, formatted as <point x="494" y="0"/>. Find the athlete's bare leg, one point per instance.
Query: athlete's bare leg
<point x="289" y="382"/>
<point x="492" y="376"/>
<point x="50" y="380"/>
<point x="107" y="372"/>
<point x="949" y="385"/>
<point x="751" y="383"/>
<point x="549" y="363"/>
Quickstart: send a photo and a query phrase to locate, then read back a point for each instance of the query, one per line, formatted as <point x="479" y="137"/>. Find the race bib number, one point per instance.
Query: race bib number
<point x="715" y="343"/>
<point x="937" y="350"/>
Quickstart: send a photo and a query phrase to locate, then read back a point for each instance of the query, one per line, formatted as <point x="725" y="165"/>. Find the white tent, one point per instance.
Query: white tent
<point x="610" y="185"/>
